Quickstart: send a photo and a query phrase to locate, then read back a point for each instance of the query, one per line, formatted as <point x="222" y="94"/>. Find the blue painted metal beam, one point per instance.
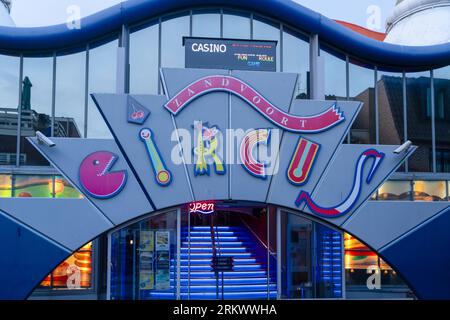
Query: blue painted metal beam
<point x="41" y="40"/>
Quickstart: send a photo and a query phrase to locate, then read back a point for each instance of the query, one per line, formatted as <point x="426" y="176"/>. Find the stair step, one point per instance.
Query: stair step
<point x="219" y="228"/>
<point x="200" y="255"/>
<point x="212" y="281"/>
<point x="217" y="243"/>
<point x="239" y="267"/>
<point x="226" y="274"/>
<point x="224" y="238"/>
<point x="209" y="295"/>
<point x="230" y="288"/>
<point x="208" y="261"/>
<point x="208" y="233"/>
<point x="209" y="249"/>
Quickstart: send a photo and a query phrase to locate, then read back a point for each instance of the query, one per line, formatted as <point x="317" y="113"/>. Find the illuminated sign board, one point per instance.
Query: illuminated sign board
<point x="230" y="54"/>
<point x="201" y="207"/>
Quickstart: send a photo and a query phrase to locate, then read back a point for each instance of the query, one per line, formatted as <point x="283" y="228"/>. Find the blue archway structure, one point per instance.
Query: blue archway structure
<point x="418" y="248"/>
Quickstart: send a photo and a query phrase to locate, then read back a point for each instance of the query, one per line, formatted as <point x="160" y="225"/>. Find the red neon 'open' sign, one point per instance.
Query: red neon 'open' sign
<point x="201" y="207"/>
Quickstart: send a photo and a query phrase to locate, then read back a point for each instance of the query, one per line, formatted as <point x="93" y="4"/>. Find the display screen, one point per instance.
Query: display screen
<point x="230" y="54"/>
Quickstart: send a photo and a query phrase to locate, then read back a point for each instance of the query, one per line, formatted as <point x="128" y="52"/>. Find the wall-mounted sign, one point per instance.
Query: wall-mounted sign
<point x="201" y="207"/>
<point x="230" y="54"/>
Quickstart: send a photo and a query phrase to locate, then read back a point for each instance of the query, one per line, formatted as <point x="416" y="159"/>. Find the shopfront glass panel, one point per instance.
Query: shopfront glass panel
<point x="361" y="264"/>
<point x="63" y="189"/>
<point x="206" y="24"/>
<point x="9" y="100"/>
<point x="418" y="98"/>
<point x="395" y="190"/>
<point x="74" y="273"/>
<point x="430" y="190"/>
<point x="144" y="73"/>
<point x="296" y="60"/>
<point x="32" y="186"/>
<point x="102" y="79"/>
<point x="361" y="88"/>
<point x="70" y="95"/>
<point x="143" y="259"/>
<point x="5" y="186"/>
<point x="236" y="25"/>
<point x="311" y="256"/>
<point x="36" y="106"/>
<point x="442" y="118"/>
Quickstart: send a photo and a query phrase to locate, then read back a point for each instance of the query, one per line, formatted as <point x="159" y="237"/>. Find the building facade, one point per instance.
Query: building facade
<point x="46" y="78"/>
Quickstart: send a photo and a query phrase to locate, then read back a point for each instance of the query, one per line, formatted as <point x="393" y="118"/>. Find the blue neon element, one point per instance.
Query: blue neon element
<point x="329" y="255"/>
<point x="247" y="280"/>
<point x="107" y="22"/>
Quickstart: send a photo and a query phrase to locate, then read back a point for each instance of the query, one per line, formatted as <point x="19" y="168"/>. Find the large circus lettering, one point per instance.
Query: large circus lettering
<point x="248" y="144"/>
<point x="352" y="198"/>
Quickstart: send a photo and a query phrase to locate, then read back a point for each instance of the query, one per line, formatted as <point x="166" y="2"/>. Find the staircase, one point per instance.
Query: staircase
<point x="247" y="280"/>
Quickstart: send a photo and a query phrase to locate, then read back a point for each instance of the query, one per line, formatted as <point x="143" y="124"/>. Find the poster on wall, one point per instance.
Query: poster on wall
<point x="146" y="280"/>
<point x="162" y="240"/>
<point x="147" y="242"/>
<point x="162" y="280"/>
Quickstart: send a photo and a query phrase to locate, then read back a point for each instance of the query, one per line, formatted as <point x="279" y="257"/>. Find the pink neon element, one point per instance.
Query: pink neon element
<point x="313" y="123"/>
<point x="315" y="208"/>
<point x="96" y="178"/>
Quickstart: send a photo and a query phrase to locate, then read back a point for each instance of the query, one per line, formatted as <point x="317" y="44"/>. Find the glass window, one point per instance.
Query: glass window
<point x="335" y="74"/>
<point x="74" y="273"/>
<point x="102" y="79"/>
<point x="172" y="32"/>
<point x="9" y="95"/>
<point x="206" y="24"/>
<point x="361" y="82"/>
<point x="236" y="25"/>
<point x="442" y="118"/>
<point x="390" y="107"/>
<point x="296" y="60"/>
<point x="144" y="73"/>
<point x="32" y="186"/>
<point x="70" y="95"/>
<point x="430" y="190"/>
<point x="36" y="106"/>
<point x="311" y="259"/>
<point x="63" y="189"/>
<point x="395" y="190"/>
<point x="5" y="186"/>
<point x="143" y="259"/>
<point x="264" y="29"/>
<point x="419" y="120"/>
<point x="358" y="259"/>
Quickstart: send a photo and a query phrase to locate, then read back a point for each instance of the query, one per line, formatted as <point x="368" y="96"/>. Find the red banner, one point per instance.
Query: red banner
<point x="308" y="124"/>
